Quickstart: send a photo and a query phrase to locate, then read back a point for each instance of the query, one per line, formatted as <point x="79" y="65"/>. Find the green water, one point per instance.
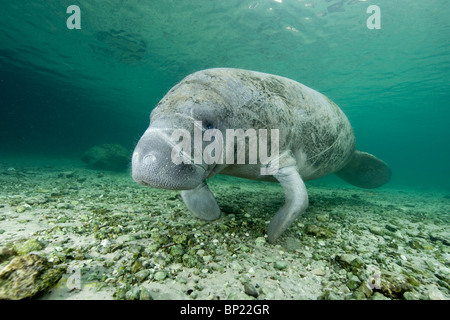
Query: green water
<point x="63" y="91"/>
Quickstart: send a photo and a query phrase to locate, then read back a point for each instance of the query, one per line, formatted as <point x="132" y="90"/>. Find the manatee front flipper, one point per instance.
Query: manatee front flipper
<point x="365" y="171"/>
<point x="296" y="201"/>
<point x="201" y="202"/>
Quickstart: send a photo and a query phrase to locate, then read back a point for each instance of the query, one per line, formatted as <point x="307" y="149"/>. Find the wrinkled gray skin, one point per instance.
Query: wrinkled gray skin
<point x="314" y="134"/>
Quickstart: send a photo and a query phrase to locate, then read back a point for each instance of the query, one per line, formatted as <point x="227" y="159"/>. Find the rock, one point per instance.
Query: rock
<point x="43" y="190"/>
<point x="324" y="217"/>
<point x="63" y="205"/>
<point x="105" y="243"/>
<point x="121" y="291"/>
<point x="11" y="171"/>
<point x="199" y="287"/>
<point x="318" y="272"/>
<point x="349" y="260"/>
<point x="346" y="259"/>
<point x="144" y="294"/>
<point x="66" y="174"/>
<point x="207" y="259"/>
<point x="5" y="253"/>
<point x="317" y="231"/>
<point x="330" y="295"/>
<point x="26" y="276"/>
<point x="353" y="282"/>
<point x="379" y="296"/>
<point x="442" y="276"/>
<point x="189" y="261"/>
<point x="394" y="285"/>
<point x="250" y="290"/>
<point x="435" y="294"/>
<point x="280" y="265"/>
<point x="358" y="295"/>
<point x="107" y="157"/>
<point x="439" y="237"/>
<point x="356" y="265"/>
<point x="364" y="288"/>
<point x="132" y="294"/>
<point x="160" y="275"/>
<point x="30" y="245"/>
<point x="177" y="251"/>
<point x="237" y="267"/>
<point x="292" y="244"/>
<point x="182" y="280"/>
<point x="376" y="230"/>
<point x="142" y="275"/>
<point x="411" y="295"/>
<point x="235" y="296"/>
<point x="391" y="228"/>
<point x="136" y="266"/>
<point x="22" y="208"/>
<point x="260" y="241"/>
<point x="417" y="244"/>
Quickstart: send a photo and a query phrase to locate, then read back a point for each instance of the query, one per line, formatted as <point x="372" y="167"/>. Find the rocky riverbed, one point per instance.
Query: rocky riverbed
<point x="68" y="232"/>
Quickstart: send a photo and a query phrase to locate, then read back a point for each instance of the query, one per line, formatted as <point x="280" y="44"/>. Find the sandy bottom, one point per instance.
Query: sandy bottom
<point x="120" y="240"/>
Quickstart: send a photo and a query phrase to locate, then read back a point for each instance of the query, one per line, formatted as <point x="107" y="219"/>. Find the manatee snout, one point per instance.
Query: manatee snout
<point x="152" y="164"/>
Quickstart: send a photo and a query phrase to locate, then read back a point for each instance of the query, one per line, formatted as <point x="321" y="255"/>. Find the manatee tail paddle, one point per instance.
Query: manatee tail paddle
<point x="365" y="171"/>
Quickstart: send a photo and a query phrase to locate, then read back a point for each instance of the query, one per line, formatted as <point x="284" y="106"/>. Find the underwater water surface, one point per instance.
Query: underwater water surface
<point x="63" y="91"/>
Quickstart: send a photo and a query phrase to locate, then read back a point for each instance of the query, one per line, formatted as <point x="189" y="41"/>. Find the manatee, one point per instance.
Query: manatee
<point x="314" y="138"/>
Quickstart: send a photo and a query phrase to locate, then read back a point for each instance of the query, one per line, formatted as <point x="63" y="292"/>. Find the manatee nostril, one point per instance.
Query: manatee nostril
<point x="149" y="159"/>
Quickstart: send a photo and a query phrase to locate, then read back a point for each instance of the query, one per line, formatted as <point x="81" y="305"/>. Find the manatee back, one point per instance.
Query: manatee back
<point x="309" y="124"/>
<point x="312" y="126"/>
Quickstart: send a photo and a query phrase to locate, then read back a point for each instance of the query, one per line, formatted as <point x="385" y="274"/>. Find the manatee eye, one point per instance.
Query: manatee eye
<point x="208" y="126"/>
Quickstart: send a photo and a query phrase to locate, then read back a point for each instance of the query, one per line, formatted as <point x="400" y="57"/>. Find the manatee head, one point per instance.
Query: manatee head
<point x="156" y="160"/>
<point x="152" y="163"/>
<point x="196" y="99"/>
